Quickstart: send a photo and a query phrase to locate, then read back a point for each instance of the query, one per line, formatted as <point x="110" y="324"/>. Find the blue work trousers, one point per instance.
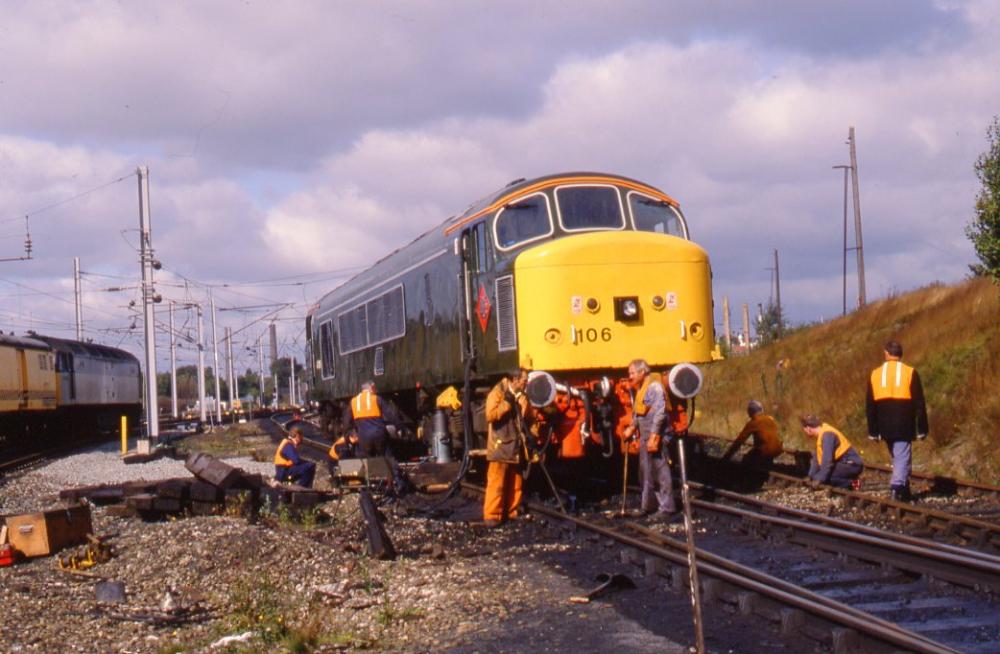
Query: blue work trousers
<point x="844" y="472"/>
<point x="902" y="458"/>
<point x="654" y="475"/>
<point x="301" y="473"/>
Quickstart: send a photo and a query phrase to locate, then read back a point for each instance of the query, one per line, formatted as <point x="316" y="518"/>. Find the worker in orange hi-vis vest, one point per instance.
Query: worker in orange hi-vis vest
<point x="369" y="417"/>
<point x="835" y="461"/>
<point x="897" y="413"/>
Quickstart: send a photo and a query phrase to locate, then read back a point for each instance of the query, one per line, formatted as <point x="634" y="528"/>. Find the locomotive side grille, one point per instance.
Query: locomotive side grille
<point x="506" y="316"/>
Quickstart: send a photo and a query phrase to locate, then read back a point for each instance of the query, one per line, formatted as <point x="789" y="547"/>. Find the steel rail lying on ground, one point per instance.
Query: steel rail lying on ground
<point x="969" y="571"/>
<point x="763" y="584"/>
<point x="985" y="533"/>
<point x="845" y="525"/>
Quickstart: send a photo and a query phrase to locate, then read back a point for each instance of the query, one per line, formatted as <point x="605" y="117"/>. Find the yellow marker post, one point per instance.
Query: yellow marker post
<point x="124" y="435"/>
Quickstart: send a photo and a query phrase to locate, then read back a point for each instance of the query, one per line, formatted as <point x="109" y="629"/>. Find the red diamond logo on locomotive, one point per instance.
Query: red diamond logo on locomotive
<point x="483" y="308"/>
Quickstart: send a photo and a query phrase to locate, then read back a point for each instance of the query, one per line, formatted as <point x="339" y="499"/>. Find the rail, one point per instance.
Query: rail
<point x="753" y="581"/>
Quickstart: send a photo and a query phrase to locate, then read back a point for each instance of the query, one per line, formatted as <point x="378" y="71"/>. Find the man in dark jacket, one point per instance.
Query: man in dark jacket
<point x="896" y="414"/>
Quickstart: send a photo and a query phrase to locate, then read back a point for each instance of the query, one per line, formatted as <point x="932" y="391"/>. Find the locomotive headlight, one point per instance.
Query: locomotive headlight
<point x="658" y="302"/>
<point x="627" y="309"/>
<point x="593" y="305"/>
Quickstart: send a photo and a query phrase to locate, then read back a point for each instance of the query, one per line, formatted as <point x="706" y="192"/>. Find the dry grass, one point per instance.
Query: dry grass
<point x="949" y="333"/>
<point x="232" y="440"/>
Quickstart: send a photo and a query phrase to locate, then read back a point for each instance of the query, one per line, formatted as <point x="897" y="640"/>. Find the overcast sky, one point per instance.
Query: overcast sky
<point x="291" y="143"/>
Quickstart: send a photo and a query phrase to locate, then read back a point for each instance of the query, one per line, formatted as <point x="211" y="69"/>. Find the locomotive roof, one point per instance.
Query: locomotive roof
<point x="93" y="350"/>
<point x="519" y="186"/>
<point x="437" y="239"/>
<point x="23" y="342"/>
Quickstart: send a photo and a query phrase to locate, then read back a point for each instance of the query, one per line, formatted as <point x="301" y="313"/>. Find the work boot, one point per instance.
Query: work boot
<point x="899" y="493"/>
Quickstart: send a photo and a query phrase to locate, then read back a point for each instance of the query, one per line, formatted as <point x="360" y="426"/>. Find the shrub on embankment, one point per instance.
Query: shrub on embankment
<point x="950" y="334"/>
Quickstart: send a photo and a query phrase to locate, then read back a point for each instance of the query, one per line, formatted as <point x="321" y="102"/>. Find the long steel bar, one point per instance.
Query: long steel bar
<point x="699" y="631"/>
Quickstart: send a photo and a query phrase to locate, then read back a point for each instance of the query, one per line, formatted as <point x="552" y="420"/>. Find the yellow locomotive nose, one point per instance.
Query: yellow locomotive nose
<point x="601" y="299"/>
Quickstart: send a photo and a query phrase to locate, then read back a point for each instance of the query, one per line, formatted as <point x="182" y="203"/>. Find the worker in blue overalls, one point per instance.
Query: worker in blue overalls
<point x="289" y="466"/>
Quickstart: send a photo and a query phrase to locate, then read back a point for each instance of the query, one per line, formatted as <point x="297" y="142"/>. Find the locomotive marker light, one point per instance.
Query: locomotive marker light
<point x="685" y="380"/>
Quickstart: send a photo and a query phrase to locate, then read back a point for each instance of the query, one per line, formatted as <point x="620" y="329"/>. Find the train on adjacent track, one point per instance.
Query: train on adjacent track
<point x="569" y="275"/>
<point x="54" y="390"/>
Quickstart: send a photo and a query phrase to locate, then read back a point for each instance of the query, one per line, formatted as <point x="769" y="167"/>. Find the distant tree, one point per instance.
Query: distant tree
<point x="984" y="230"/>
<point x="771" y="325"/>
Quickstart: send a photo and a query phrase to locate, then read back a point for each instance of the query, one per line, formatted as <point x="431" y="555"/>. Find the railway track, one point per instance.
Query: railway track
<point x="920" y="519"/>
<point x="961" y="512"/>
<point x="876" y="477"/>
<point x="847" y="589"/>
<point x="847" y="586"/>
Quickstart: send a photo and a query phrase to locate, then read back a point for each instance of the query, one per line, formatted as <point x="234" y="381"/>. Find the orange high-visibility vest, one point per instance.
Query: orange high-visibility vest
<point x="333" y="448"/>
<point x="842" y="443"/>
<point x="279" y="459"/>
<point x="891" y="381"/>
<point x="365" y="405"/>
<point x="640" y="407"/>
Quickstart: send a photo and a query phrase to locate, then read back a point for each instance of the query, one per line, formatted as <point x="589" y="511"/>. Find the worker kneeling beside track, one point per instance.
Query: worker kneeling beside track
<point x="289" y="466"/>
<point x="835" y="461"/>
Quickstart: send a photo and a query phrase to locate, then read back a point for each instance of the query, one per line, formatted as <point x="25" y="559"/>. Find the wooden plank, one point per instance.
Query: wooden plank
<point x="174" y="488"/>
<point x="379" y="544"/>
<point x="141" y="501"/>
<point x="202" y="491"/>
<point x="167" y="504"/>
<point x="208" y="468"/>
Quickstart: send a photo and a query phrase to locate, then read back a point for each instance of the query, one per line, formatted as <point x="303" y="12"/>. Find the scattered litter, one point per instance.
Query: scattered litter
<point x="110" y="591"/>
<point x="608" y="582"/>
<point x="229" y="640"/>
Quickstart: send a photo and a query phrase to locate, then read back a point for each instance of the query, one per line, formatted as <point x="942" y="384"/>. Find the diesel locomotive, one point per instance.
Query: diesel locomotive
<point x="570" y="275"/>
<point x="56" y="390"/>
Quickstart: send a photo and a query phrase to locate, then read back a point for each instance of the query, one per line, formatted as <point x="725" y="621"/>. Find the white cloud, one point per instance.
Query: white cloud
<point x="322" y="136"/>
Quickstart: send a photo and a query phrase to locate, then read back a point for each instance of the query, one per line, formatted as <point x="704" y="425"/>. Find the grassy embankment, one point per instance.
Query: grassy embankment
<point x="950" y="334"/>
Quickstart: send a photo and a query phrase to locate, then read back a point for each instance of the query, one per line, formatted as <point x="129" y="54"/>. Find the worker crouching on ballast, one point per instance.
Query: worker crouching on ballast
<point x="835" y="461"/>
<point x="369" y="418"/>
<point x="289" y="466"/>
<point x="506" y="413"/>
<point x="345" y="447"/>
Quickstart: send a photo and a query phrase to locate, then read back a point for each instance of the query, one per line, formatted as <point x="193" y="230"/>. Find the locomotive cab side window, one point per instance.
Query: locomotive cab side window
<point x="326" y="348"/>
<point x="651" y="214"/>
<point x="583" y="208"/>
<point x="521" y="221"/>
